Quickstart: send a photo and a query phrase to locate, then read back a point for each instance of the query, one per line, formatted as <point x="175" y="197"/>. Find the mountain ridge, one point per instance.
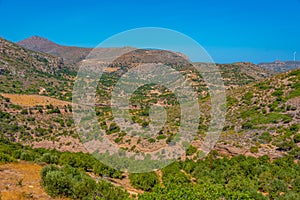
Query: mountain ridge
<point x="70" y="54"/>
<point x="280" y="66"/>
<point x="29" y="72"/>
<point x="19" y="56"/>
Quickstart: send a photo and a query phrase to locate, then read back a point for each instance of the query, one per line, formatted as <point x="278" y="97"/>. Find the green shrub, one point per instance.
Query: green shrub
<point x="83" y="186"/>
<point x="277" y="93"/>
<point x="297" y="138"/>
<point x="161" y="137"/>
<point x="17" y="154"/>
<point x="113" y="128"/>
<point x="28" y="156"/>
<point x="285" y="145"/>
<point x="118" y="140"/>
<point x="247" y="98"/>
<point x="173" y="174"/>
<point x="4" y="115"/>
<point x="294" y="128"/>
<point x="4" y="158"/>
<point x="58" y="183"/>
<point x="144" y="181"/>
<point x="47" y="169"/>
<point x="151" y="140"/>
<point x="295" y="153"/>
<point x="49" y="158"/>
<point x="53" y="110"/>
<point x="254" y="149"/>
<point x="247" y="125"/>
<point x="24" y="112"/>
<point x="105" y="190"/>
<point x="191" y="150"/>
<point x="103" y="170"/>
<point x="265" y="138"/>
<point x="296" y="185"/>
<point x="70" y="182"/>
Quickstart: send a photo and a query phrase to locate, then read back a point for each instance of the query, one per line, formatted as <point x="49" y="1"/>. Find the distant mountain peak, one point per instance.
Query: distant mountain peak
<point x="40" y="44"/>
<point x="37" y="37"/>
<point x="36" y="42"/>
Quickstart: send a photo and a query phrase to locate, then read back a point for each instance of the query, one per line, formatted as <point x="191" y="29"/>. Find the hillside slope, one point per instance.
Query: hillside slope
<point x="28" y="72"/>
<point x="263" y="117"/>
<point x="18" y="60"/>
<point x="234" y="74"/>
<point x="29" y="122"/>
<point x="242" y="73"/>
<point x="71" y="55"/>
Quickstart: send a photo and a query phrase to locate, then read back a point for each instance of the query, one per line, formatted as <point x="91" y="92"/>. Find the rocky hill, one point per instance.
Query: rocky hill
<point x="233" y="75"/>
<point x="18" y="60"/>
<point x="29" y="72"/>
<point x="242" y="73"/>
<point x="38" y="121"/>
<point x="263" y="117"/>
<point x="70" y="55"/>
<point x="50" y="78"/>
<point x="15" y="59"/>
<point x="236" y="73"/>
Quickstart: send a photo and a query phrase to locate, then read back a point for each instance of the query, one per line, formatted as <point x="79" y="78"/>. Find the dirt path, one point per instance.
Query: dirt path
<point x="159" y="174"/>
<point x="192" y="179"/>
<point x="123" y="183"/>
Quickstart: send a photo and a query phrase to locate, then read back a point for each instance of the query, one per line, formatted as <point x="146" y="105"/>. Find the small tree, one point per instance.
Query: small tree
<point x="144" y="181"/>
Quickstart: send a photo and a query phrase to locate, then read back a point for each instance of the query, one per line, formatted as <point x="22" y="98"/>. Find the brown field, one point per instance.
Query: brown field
<point x="20" y="181"/>
<point x="111" y="69"/>
<point x="34" y="100"/>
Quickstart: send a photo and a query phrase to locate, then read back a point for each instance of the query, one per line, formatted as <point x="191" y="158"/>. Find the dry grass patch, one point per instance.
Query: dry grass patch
<point x="20" y="181"/>
<point x="34" y="100"/>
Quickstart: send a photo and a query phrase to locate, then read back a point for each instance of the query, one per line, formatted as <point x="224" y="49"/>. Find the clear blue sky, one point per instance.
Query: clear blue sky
<point x="230" y="30"/>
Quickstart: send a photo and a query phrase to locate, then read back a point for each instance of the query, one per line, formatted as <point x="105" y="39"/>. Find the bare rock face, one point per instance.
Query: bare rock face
<point x="230" y="150"/>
